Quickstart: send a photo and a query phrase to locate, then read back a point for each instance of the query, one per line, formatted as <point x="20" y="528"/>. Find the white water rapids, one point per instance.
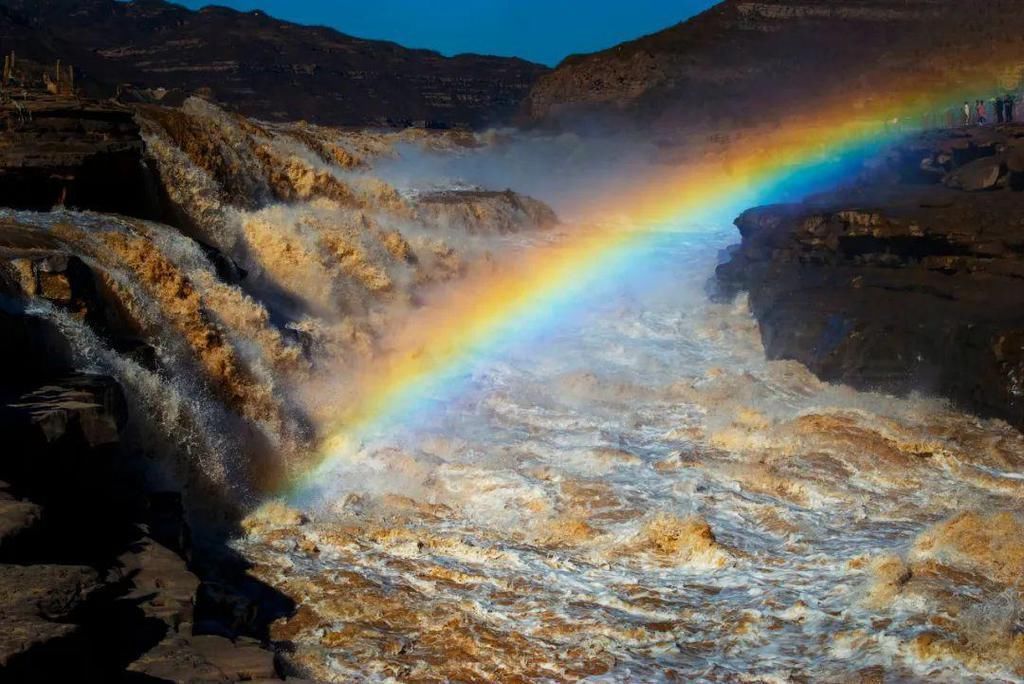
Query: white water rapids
<point x="638" y="495"/>
<point x="550" y="525"/>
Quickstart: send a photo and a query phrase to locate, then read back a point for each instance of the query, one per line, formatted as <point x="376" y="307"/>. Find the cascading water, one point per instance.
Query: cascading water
<point x="291" y="261"/>
<point x="641" y="496"/>
<point x="634" y="493"/>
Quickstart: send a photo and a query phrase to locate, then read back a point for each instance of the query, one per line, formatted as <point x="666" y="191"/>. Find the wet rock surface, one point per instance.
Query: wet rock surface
<point x="34" y="600"/>
<point x="475" y="211"/>
<point x="86" y="588"/>
<point x="910" y="280"/>
<point x="98" y="568"/>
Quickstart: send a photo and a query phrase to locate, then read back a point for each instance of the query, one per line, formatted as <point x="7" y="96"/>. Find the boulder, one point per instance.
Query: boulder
<point x="239" y="660"/>
<point x="16" y="517"/>
<point x="206" y="659"/>
<point x="485" y="211"/>
<point x="1015" y="159"/>
<point x="21" y="634"/>
<point x="161" y="583"/>
<point x="47" y="591"/>
<point x="82" y="411"/>
<point x="173" y="660"/>
<point x="1015" y="168"/>
<point x="980" y="174"/>
<point x="34" y="601"/>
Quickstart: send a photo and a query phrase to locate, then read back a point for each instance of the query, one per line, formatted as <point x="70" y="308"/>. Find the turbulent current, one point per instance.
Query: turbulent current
<point x="641" y="496"/>
<point x="632" y="494"/>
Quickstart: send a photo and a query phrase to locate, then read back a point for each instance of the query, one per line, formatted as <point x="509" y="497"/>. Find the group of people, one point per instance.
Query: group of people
<point x="1002" y="108"/>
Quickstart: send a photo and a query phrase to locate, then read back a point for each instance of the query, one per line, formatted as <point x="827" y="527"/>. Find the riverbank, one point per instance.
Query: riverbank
<point x="908" y="279"/>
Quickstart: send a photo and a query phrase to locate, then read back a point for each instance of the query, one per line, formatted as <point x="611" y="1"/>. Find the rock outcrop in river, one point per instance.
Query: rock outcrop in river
<point x="908" y="280"/>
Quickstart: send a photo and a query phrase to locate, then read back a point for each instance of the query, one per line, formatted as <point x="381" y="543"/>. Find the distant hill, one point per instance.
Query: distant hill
<point x="260" y="66"/>
<point x="744" y="62"/>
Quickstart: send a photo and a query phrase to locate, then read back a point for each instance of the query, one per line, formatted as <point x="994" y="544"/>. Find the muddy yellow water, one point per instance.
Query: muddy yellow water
<point x="641" y="496"/>
<point x="631" y="494"/>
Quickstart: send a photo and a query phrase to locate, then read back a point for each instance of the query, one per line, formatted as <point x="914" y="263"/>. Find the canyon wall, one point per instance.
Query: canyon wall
<point x="257" y="65"/>
<point x="743" y="63"/>
<point x="908" y="280"/>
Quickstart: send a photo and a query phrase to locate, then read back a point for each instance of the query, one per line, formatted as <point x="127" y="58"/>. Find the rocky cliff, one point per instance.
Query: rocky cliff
<point x="909" y="280"/>
<point x="744" y="62"/>
<point x="171" y="281"/>
<point x="98" y="576"/>
<point x="62" y="151"/>
<point x="258" y="65"/>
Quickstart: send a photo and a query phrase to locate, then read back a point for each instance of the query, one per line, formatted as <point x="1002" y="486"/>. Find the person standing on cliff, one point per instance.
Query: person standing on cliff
<point x="981" y="112"/>
<point x="1000" y="109"/>
<point x="1010" y="99"/>
<point x="967" y="113"/>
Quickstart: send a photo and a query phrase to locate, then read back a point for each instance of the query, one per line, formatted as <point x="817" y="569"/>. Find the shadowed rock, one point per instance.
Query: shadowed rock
<point x="17" y="516"/>
<point x="899" y="286"/>
<point x="261" y="66"/>
<point x="743" y="63"/>
<point x="981" y="174"/>
<point x="33" y="601"/>
<point x="59" y="151"/>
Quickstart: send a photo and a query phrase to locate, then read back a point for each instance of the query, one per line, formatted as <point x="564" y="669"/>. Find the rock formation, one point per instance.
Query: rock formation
<point x="149" y="367"/>
<point x="57" y="150"/>
<point x="97" y="571"/>
<point x="260" y="66"/>
<point x="908" y="280"/>
<point x="743" y="63"/>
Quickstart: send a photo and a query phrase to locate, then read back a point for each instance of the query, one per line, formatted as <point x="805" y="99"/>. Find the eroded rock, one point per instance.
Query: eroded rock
<point x="161" y="583"/>
<point x="86" y="408"/>
<point x="981" y="174"/>
<point x="61" y="151"/>
<point x="895" y="285"/>
<point x="34" y="600"/>
<point x="206" y="658"/>
<point x="16" y="516"/>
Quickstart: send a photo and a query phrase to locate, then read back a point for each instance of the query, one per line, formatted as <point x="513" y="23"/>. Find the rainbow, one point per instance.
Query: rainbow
<point x="473" y="322"/>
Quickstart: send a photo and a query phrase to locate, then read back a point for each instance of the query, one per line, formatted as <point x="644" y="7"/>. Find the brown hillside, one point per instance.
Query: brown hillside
<point x="261" y="66"/>
<point x="744" y="62"/>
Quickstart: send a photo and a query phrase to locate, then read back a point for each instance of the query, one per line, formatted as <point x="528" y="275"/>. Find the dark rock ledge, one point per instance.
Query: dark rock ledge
<point x="98" y="578"/>
<point x="76" y="153"/>
<point x="911" y="279"/>
<point x="102" y="578"/>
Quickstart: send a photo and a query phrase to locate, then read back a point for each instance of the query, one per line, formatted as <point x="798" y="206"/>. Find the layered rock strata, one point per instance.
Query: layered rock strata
<point x="910" y="280"/>
<point x="156" y="51"/>
<point x="742" y="64"/>
<point x="60" y="151"/>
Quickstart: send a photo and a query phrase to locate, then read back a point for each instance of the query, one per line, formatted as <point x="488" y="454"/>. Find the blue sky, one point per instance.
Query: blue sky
<point x="539" y="30"/>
